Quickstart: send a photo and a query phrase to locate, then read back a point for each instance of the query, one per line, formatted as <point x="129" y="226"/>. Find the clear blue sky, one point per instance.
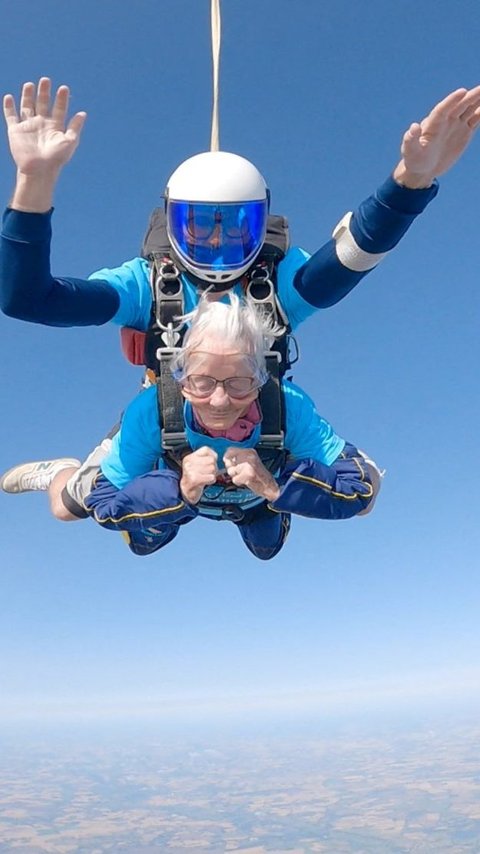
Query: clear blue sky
<point x="378" y="609"/>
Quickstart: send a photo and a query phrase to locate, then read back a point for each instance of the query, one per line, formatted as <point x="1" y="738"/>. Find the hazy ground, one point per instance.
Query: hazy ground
<point x="356" y="787"/>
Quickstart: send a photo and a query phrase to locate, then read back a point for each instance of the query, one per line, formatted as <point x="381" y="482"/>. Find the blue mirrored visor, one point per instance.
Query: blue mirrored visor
<point x="217" y="236"/>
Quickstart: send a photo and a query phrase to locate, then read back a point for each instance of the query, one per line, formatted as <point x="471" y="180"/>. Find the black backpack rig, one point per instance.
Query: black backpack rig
<point x="156" y="347"/>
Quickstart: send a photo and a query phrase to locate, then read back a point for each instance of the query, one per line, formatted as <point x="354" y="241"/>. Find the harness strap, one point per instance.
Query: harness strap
<point x="168" y="328"/>
<point x="271" y="404"/>
<point x="170" y="404"/>
<point x="168" y="292"/>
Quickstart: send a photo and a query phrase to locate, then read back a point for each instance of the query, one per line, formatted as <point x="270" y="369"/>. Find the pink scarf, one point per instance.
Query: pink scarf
<point x="242" y="429"/>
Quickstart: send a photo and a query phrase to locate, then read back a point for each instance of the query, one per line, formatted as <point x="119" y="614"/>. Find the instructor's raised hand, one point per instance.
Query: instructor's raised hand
<point x="41" y="141"/>
<point x="430" y="147"/>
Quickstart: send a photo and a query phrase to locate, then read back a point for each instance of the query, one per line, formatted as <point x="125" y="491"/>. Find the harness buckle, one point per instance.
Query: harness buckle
<point x="172" y="441"/>
<point x="170" y="338"/>
<point x="168" y="271"/>
<point x="169" y="299"/>
<point x="232" y="513"/>
<point x="260" y="274"/>
<point x="261" y="291"/>
<point x="273" y="440"/>
<point x="166" y="354"/>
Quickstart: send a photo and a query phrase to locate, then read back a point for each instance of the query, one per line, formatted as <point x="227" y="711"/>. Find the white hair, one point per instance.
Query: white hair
<point x="239" y="324"/>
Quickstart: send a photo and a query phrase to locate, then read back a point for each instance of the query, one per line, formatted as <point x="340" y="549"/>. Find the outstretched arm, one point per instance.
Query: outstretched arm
<point x="28" y="291"/>
<point x="361" y="239"/>
<point x="41" y="142"/>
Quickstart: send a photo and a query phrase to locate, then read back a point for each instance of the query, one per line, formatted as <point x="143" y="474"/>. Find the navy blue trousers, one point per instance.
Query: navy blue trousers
<point x="264" y="537"/>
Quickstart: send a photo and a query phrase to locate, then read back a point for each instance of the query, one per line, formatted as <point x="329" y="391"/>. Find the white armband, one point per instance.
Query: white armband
<point x="349" y="253"/>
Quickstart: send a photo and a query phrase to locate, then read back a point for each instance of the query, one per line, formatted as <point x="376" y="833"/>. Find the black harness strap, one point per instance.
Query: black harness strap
<point x="270" y="399"/>
<point x="170" y="404"/>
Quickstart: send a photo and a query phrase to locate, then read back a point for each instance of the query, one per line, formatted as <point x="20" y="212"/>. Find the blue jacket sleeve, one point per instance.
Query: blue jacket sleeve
<point x="151" y="501"/>
<point x="367" y="235"/>
<point x="131" y="494"/>
<point x="27" y="289"/>
<point x="338" y="491"/>
<point x="136" y="447"/>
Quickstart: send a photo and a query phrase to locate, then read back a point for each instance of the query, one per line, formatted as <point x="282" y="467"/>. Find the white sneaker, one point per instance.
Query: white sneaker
<point x="30" y="477"/>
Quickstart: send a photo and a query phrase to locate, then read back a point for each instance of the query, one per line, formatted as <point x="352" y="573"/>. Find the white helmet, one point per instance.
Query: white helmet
<point x="217" y="209"/>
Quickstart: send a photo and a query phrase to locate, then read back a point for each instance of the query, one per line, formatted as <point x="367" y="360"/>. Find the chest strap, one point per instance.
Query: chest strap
<point x="166" y="330"/>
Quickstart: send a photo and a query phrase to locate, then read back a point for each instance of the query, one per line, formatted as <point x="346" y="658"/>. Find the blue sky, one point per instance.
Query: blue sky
<point x="318" y="96"/>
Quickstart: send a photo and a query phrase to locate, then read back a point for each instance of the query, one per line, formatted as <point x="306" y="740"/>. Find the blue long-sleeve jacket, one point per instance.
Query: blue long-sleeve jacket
<point x="323" y="477"/>
<point x="28" y="291"/>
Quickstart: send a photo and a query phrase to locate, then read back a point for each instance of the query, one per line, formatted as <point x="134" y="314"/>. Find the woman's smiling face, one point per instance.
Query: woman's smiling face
<point x="220" y="410"/>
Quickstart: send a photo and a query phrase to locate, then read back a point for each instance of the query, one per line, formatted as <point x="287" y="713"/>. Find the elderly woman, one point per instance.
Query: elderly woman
<point x="220" y="370"/>
<point x="141" y="490"/>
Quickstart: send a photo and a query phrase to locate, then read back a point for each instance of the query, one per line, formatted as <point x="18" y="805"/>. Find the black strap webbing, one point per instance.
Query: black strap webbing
<point x="271" y="404"/>
<point x="170" y="404"/>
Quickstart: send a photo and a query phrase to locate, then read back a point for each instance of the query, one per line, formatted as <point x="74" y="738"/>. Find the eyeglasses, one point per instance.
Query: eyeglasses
<point x="203" y="386"/>
<point x="202" y="224"/>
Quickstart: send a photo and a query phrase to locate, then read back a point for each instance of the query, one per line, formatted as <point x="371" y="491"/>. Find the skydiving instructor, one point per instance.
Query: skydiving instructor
<point x="41" y="143"/>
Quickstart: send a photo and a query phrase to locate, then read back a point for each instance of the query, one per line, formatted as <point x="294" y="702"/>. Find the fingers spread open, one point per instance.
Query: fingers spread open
<point x="75" y="125"/>
<point x="10" y="110"/>
<point x="42" y="103"/>
<point x="60" y="105"/>
<point x="27" y="101"/>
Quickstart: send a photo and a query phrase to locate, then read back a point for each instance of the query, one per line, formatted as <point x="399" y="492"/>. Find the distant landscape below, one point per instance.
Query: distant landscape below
<point x="359" y="787"/>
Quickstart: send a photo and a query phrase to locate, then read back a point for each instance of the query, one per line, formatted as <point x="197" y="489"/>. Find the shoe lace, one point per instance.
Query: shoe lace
<point x="36" y="481"/>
